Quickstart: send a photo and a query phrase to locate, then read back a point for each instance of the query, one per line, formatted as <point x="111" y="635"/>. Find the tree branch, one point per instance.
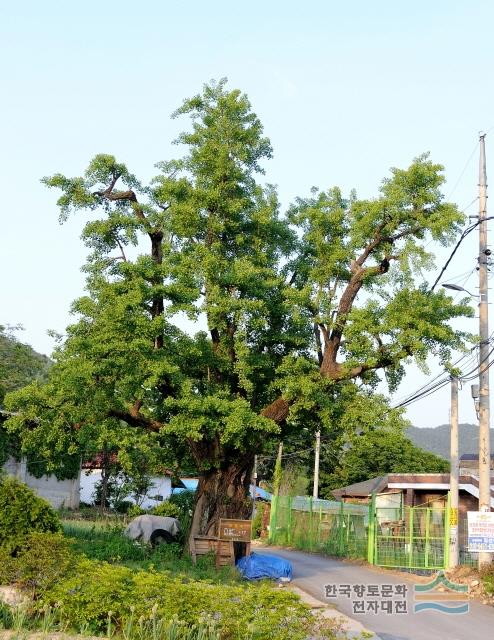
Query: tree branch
<point x="135" y="419"/>
<point x="124" y="257"/>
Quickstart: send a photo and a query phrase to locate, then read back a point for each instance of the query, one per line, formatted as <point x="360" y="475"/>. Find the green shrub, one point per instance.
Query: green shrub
<point x="258" y="518"/>
<point x="123" y="506"/>
<point x="7" y="567"/>
<point x="487" y="577"/>
<point x="185" y="501"/>
<point x="240" y="611"/>
<point x="39" y="561"/>
<point x="105" y="542"/>
<point x="166" y="509"/>
<point x="6" y="617"/>
<point x="22" y="512"/>
<point x="43" y="559"/>
<point x="135" y="510"/>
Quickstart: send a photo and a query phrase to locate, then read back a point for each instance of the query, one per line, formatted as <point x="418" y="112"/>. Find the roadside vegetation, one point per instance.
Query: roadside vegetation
<point x="86" y="577"/>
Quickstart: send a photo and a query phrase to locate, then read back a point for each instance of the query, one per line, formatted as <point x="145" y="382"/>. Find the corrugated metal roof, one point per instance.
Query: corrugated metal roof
<point x="363" y="489"/>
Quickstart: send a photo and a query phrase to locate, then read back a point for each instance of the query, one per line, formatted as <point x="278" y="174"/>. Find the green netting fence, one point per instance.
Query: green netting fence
<point x="335" y="528"/>
<point x="397" y="536"/>
<point x="410" y="537"/>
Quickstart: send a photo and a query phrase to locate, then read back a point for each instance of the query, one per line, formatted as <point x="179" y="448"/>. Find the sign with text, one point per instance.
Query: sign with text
<point x="480" y="531"/>
<point x="236" y="530"/>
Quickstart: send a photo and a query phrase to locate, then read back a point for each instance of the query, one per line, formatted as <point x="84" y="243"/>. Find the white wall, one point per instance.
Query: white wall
<point x="161" y="486"/>
<point x="59" y="493"/>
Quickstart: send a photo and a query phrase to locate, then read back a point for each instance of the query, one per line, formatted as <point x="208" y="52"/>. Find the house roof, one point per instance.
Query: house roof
<point x="362" y="489"/>
<point x="473" y="456"/>
<point x="96" y="462"/>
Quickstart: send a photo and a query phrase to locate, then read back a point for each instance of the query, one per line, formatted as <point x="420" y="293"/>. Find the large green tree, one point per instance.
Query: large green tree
<point x="377" y="453"/>
<point x="302" y="311"/>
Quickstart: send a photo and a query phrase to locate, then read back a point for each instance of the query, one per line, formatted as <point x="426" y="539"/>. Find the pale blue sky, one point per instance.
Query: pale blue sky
<point x="345" y="90"/>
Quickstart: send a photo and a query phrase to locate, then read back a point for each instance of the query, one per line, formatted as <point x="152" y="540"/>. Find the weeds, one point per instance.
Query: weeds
<point x="107" y="542"/>
<point x="487" y="576"/>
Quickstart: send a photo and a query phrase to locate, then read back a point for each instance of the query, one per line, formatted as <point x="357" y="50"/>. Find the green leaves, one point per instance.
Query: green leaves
<point x="380" y="452"/>
<point x="298" y="307"/>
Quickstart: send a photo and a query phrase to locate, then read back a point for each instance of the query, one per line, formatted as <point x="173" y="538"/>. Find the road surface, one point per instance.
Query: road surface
<point x="311" y="572"/>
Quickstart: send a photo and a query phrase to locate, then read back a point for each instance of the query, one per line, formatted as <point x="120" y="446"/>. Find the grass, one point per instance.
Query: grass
<point x="105" y="541"/>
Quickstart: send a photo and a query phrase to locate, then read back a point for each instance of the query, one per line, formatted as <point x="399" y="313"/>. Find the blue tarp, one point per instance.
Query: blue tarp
<point x="260" y="565"/>
<point x="257" y="492"/>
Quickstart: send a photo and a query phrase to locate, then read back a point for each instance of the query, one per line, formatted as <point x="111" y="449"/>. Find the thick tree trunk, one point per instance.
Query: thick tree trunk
<point x="222" y="493"/>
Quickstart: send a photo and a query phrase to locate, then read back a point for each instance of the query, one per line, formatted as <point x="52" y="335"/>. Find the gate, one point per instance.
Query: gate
<point x="411" y="537"/>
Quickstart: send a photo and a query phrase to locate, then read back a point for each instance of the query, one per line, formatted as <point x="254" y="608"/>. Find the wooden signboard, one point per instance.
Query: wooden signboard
<point x="235" y="530"/>
<point x="231" y="531"/>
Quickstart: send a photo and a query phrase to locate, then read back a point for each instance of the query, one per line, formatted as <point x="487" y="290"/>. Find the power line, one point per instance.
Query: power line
<point x="463" y="171"/>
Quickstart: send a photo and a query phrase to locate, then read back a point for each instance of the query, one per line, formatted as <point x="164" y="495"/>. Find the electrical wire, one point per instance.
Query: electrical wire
<point x="463" y="171"/>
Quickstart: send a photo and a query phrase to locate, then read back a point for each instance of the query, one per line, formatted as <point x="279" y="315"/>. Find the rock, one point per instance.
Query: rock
<point x="12" y="596"/>
<point x="474" y="583"/>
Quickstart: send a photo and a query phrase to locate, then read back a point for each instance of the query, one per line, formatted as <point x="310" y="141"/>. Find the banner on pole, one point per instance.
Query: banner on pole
<point x="480" y="531"/>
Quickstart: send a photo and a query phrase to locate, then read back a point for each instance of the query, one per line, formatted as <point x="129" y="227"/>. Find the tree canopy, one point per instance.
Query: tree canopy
<point x="377" y="453"/>
<point x="303" y="310"/>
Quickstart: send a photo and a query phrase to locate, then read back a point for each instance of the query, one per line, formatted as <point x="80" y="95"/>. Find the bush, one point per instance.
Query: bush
<point x="6" y="617"/>
<point x="104" y="543"/>
<point x="487" y="576"/>
<point x="135" y="510"/>
<point x="22" y="512"/>
<point x="42" y="559"/>
<point x="258" y="519"/>
<point x="166" y="509"/>
<point x="240" y="611"/>
<point x="123" y="506"/>
<point x="185" y="501"/>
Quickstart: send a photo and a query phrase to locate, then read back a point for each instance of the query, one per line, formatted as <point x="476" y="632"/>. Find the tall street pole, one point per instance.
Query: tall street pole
<point x="484" y="419"/>
<point x="315" y="491"/>
<point x="454" y="478"/>
<point x="277" y="470"/>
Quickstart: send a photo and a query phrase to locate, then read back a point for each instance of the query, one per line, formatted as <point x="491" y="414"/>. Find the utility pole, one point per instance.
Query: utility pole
<point x="315" y="492"/>
<point x="254" y="487"/>
<point x="454" y="478"/>
<point x="484" y="419"/>
<point x="278" y="470"/>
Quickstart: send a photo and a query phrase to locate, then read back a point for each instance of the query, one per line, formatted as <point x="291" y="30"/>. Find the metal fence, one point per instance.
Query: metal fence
<point x="397" y="536"/>
<point x="391" y="536"/>
<point x="335" y="528"/>
<point x="415" y="538"/>
<point x="465" y="557"/>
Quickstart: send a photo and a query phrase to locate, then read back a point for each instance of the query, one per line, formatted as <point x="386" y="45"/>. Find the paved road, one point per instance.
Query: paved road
<point x="312" y="572"/>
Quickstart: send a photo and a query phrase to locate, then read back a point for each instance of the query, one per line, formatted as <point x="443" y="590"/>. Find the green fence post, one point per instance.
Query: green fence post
<point x="410" y="536"/>
<point x="319" y="528"/>
<point x="272" y="519"/>
<point x="311" y="526"/>
<point x="341" y="532"/>
<point x="427" y="536"/>
<point x="371" y="531"/>
<point x="447" y="531"/>
<point x="289" y="521"/>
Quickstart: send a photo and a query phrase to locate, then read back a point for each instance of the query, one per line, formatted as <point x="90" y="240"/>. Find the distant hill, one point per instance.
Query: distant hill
<point x="436" y="439"/>
<point x="20" y="364"/>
